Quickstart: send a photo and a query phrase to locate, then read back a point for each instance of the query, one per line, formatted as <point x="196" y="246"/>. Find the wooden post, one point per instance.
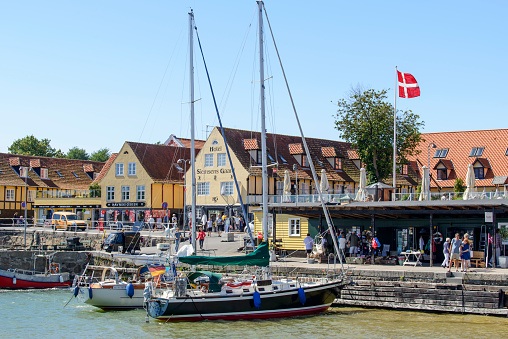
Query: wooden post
<point x="431" y="240"/>
<point x="493" y="239"/>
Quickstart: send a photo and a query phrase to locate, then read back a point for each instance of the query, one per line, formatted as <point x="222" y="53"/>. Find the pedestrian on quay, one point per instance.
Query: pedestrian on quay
<point x="342" y="245"/>
<point x="201" y="237"/>
<point x="455" y="253"/>
<point x="498" y="243"/>
<point x="353" y="244"/>
<point x="177" y="239"/>
<point x="446" y="252"/>
<point x="309" y="244"/>
<point x="209" y="222"/>
<point x="174" y="220"/>
<point x="465" y="253"/>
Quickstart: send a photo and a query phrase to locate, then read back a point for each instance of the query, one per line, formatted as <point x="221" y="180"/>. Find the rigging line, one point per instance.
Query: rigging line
<point x="225" y="141"/>
<point x="306" y="147"/>
<point x="184" y="69"/>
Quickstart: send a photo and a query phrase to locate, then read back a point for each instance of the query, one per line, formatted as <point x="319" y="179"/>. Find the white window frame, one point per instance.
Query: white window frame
<point x="23" y="172"/>
<point x="203" y="188"/>
<point x="221" y="160"/>
<point x="304" y="188"/>
<point x="110" y="193"/>
<point x="131" y="168"/>
<point x="119" y="169"/>
<point x="126" y="193"/>
<point x="209" y="160"/>
<point x="227" y="187"/>
<point x="294" y="223"/>
<point x="44" y="173"/>
<point x="30" y="197"/>
<point x="140" y="192"/>
<point x="10" y="194"/>
<point x="280" y="187"/>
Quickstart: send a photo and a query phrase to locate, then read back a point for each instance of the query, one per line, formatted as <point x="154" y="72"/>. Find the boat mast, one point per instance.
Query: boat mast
<point x="193" y="153"/>
<point x="263" y="128"/>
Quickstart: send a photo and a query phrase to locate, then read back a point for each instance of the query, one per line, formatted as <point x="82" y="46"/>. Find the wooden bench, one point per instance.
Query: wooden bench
<point x="478" y="259"/>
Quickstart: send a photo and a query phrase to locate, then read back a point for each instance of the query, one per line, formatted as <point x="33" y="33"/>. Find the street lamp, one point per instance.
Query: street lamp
<point x="184" y="161"/>
<point x="25" y="169"/>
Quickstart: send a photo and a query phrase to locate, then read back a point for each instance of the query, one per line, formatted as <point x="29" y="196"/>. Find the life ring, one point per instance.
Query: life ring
<point x="54" y="268"/>
<point x="204" y="287"/>
<point x="438" y="238"/>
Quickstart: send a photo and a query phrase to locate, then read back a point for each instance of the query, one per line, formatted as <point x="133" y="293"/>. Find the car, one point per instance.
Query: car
<point x="67" y="221"/>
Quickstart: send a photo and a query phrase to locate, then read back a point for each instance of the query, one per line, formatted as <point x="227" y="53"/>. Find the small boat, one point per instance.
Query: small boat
<point x="109" y="292"/>
<point x="25" y="279"/>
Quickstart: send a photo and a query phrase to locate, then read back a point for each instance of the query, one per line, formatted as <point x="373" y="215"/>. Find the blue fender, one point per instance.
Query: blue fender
<point x="76" y="291"/>
<point x="90" y="292"/>
<point x="257" y="299"/>
<point x="301" y="295"/>
<point x="130" y="290"/>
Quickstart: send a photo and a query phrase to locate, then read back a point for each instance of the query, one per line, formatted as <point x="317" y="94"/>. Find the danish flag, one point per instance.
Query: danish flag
<point x="408" y="87"/>
<point x="490" y="239"/>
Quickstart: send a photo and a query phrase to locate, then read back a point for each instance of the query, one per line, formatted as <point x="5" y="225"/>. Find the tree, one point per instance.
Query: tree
<point x="95" y="190"/>
<point x="101" y="155"/>
<point x="77" y="153"/>
<point x="458" y="186"/>
<point x="366" y="121"/>
<point x="30" y="145"/>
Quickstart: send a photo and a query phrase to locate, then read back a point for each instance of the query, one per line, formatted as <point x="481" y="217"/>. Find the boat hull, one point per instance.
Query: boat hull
<point x="15" y="280"/>
<point x="239" y="307"/>
<point x="110" y="299"/>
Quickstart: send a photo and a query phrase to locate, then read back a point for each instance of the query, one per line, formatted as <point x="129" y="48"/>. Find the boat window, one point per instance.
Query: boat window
<point x="261" y="289"/>
<point x="246" y="290"/>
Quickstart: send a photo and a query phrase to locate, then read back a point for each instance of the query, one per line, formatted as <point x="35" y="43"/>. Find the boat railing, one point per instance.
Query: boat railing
<point x="25" y="272"/>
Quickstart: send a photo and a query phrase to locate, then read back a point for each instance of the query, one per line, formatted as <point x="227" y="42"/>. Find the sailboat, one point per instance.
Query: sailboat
<point x="203" y="295"/>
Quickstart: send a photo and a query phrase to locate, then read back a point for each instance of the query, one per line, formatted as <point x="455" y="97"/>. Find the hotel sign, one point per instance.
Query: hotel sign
<point x="125" y="204"/>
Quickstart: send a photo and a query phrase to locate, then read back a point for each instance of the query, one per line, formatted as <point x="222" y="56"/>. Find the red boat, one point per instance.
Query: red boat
<point x="22" y="279"/>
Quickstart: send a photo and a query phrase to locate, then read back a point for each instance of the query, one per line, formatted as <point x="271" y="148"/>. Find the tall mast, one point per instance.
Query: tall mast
<point x="263" y="128"/>
<point x="193" y="153"/>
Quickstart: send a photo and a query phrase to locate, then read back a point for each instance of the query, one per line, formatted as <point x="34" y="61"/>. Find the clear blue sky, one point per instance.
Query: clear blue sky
<point x="93" y="73"/>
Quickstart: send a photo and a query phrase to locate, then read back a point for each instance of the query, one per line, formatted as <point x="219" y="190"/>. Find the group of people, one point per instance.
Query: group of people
<point x="457" y="251"/>
<point x="222" y="223"/>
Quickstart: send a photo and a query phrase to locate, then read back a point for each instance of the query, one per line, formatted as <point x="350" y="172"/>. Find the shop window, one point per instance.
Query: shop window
<point x="221" y="160"/>
<point x="126" y="193"/>
<point x="9" y="194"/>
<point x="131" y="170"/>
<point x="479" y="173"/>
<point x="294" y="227"/>
<point x="110" y="190"/>
<point x="140" y="192"/>
<point x="119" y="169"/>
<point x="208" y="160"/>
<point x="442" y="174"/>
<point x="203" y="188"/>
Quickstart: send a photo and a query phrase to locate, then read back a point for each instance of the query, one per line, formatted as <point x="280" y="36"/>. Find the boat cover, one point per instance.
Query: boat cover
<point x="260" y="257"/>
<point x="213" y="285"/>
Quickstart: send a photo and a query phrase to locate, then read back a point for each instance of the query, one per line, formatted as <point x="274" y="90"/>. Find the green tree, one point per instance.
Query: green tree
<point x="30" y="145"/>
<point x="458" y="186"/>
<point x="365" y="119"/>
<point x="77" y="153"/>
<point x="95" y="190"/>
<point x="101" y="155"/>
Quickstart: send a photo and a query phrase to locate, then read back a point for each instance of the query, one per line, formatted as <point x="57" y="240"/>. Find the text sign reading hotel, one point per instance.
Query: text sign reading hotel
<point x="125" y="204"/>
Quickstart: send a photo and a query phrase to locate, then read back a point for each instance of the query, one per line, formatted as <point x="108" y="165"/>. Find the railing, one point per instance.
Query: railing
<point x="304" y="198"/>
<point x="60" y="194"/>
<point x="448" y="196"/>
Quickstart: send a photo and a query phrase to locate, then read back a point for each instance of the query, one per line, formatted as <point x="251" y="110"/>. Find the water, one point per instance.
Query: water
<point x="42" y="314"/>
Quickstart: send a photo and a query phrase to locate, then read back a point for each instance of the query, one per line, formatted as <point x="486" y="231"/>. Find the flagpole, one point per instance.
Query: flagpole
<point x="395" y="136"/>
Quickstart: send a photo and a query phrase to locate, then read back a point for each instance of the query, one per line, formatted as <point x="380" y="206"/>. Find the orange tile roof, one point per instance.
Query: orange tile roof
<point x="328" y="152"/>
<point x="35" y="163"/>
<point x="14" y="161"/>
<point x="250" y="144"/>
<point x="295" y="149"/>
<point x="198" y="144"/>
<point x="460" y="144"/>
<point x="106" y="167"/>
<point x="353" y="155"/>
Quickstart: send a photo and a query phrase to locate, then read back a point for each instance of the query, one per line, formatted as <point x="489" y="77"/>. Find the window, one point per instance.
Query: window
<point x="476" y="151"/>
<point x="403" y="169"/>
<point x="9" y="194"/>
<point x="131" y="170"/>
<point x="338" y="164"/>
<point x="305" y="161"/>
<point x="226" y="188"/>
<point x="208" y="160"/>
<point x="442" y="174"/>
<point x="215" y="142"/>
<point x="221" y="160"/>
<point x="285" y="162"/>
<point x="304" y="188"/>
<point x="271" y="158"/>
<point x="59" y="174"/>
<point x="280" y="187"/>
<point x="119" y="169"/>
<point x="75" y="175"/>
<point x="126" y="193"/>
<point x="30" y="196"/>
<point x="44" y="173"/>
<point x="110" y="193"/>
<point x="140" y="192"/>
<point x="479" y="173"/>
<point x="294" y="227"/>
<point x="506" y="153"/>
<point x="203" y="188"/>
<point x="441" y="153"/>
<point x="23" y="172"/>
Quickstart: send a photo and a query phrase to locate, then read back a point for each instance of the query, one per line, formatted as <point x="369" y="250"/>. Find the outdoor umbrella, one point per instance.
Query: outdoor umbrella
<point x="470" y="182"/>
<point x="360" y="195"/>
<point x="424" y="194"/>
<point x="287" y="187"/>
<point x="324" y="185"/>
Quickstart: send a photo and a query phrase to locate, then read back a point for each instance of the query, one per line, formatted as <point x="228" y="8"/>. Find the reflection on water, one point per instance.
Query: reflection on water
<point x="42" y="314"/>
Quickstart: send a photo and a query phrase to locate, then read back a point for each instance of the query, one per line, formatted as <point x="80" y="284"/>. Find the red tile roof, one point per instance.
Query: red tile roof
<point x="295" y="149"/>
<point x="447" y="163"/>
<point x="198" y="144"/>
<point x="484" y="162"/>
<point x="35" y="163"/>
<point x="88" y="168"/>
<point x="328" y="152"/>
<point x="250" y="144"/>
<point x="353" y="155"/>
<point x="106" y="167"/>
<point x="460" y="144"/>
<point x="14" y="161"/>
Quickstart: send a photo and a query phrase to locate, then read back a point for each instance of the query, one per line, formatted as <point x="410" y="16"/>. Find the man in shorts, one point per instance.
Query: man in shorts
<point x="455" y="252"/>
<point x="309" y="244"/>
<point x="353" y="244"/>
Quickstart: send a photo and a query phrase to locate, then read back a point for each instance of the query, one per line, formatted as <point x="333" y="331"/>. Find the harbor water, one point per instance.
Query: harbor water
<point x="43" y="314"/>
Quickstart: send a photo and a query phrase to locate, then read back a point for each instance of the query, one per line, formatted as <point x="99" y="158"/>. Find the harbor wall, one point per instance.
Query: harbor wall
<point x="71" y="262"/>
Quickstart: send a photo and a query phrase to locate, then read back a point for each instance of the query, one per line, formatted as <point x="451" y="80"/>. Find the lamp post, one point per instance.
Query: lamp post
<point x="431" y="145"/>
<point x="184" y="161"/>
<point x="25" y="169"/>
<point x="431" y="233"/>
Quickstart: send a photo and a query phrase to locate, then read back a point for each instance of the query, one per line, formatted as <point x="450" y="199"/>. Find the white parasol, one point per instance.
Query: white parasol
<point x="360" y="195"/>
<point x="470" y="182"/>
<point x="324" y="185"/>
<point x="424" y="194"/>
<point x="287" y="187"/>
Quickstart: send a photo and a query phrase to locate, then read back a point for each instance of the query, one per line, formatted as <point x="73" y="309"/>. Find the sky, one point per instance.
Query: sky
<point x="95" y="73"/>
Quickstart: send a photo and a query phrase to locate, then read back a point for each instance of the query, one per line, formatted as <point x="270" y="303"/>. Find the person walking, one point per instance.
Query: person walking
<point x="309" y="244"/>
<point x="498" y="243"/>
<point x="353" y="244"/>
<point x="455" y="252"/>
<point x="465" y="253"/>
<point x="446" y="252"/>
<point x="177" y="239"/>
<point x="209" y="226"/>
<point x="342" y="246"/>
<point x="201" y="237"/>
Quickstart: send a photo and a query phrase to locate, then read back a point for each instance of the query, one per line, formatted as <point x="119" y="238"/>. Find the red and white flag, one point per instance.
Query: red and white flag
<point x="490" y="239"/>
<point x="408" y="87"/>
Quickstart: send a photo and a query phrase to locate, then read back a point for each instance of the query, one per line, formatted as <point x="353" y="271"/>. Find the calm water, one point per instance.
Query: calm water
<point x="42" y="314"/>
